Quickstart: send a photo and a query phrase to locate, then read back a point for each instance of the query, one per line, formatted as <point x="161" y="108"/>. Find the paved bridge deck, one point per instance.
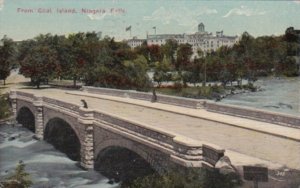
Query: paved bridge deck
<point x="244" y="146"/>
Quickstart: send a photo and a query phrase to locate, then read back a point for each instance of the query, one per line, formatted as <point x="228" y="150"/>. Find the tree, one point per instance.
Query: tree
<point x="155" y="53"/>
<point x="169" y="49"/>
<point x="7" y="51"/>
<point x="161" y="70"/>
<point x="246" y="50"/>
<point x="289" y="67"/>
<point x="143" y="50"/>
<point x="114" y="64"/>
<point x="19" y="179"/>
<point x="38" y="60"/>
<point x="76" y="54"/>
<point x="197" y="70"/>
<point x="183" y="60"/>
<point x="184" y="53"/>
<point x="136" y="73"/>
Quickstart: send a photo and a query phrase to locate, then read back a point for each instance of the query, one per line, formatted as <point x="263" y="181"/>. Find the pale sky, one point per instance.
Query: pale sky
<point x="169" y="16"/>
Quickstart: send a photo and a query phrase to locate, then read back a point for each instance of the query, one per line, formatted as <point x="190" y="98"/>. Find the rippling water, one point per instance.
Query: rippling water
<point x="278" y="94"/>
<point x="47" y="166"/>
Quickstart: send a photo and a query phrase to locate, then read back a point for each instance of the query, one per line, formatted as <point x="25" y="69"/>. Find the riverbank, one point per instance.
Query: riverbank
<point x="279" y="94"/>
<point x="212" y="92"/>
<point x="276" y="94"/>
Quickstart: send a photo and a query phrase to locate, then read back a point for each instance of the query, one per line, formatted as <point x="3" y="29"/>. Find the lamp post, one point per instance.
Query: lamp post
<point x="205" y="62"/>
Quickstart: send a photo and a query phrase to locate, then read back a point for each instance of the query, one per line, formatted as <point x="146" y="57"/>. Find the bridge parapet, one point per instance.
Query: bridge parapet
<point x="257" y="114"/>
<point x="183" y="150"/>
<point x="62" y="104"/>
<point x="245" y="112"/>
<point x="166" y="99"/>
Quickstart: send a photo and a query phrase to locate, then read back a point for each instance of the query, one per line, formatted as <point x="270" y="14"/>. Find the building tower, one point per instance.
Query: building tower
<point x="201" y="28"/>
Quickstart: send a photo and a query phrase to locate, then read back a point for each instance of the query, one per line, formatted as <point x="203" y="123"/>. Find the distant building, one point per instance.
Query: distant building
<point x="200" y="40"/>
<point x="201" y="28"/>
<point x="135" y="42"/>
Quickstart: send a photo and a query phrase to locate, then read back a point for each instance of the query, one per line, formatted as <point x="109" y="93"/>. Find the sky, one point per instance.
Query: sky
<point x="25" y="19"/>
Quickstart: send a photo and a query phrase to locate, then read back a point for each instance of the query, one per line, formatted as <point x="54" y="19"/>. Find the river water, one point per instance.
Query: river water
<point x="47" y="166"/>
<point x="278" y="94"/>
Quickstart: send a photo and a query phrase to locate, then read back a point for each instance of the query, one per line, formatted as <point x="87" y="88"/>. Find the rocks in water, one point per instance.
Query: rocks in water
<point x="13" y="137"/>
<point x="111" y="181"/>
<point x="35" y="137"/>
<point x="271" y="106"/>
<point x="285" y="105"/>
<point x="280" y="105"/>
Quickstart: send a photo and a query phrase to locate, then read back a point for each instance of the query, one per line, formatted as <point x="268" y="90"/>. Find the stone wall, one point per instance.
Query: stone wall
<point x="178" y="101"/>
<point x="256" y="114"/>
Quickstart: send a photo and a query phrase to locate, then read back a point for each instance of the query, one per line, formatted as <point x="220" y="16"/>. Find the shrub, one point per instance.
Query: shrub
<point x="4" y="106"/>
<point x="20" y="178"/>
<point x="190" y="178"/>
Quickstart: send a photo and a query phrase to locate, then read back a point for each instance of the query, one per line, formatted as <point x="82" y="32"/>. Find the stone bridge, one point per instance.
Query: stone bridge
<point x="91" y="131"/>
<point x="170" y="132"/>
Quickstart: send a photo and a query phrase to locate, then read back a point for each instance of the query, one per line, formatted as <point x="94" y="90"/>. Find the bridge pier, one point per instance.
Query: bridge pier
<point x="13" y="100"/>
<point x="87" y="147"/>
<point x="39" y="120"/>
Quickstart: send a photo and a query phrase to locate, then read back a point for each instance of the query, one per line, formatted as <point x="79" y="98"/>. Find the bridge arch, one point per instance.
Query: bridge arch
<point x="26" y="117"/>
<point x="63" y="137"/>
<point x="122" y="160"/>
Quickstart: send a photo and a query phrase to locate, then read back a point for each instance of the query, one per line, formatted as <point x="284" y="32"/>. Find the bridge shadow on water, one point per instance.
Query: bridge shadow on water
<point x="122" y="165"/>
<point x="60" y="134"/>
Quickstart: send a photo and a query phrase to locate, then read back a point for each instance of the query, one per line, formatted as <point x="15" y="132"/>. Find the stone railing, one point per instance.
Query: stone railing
<point x="245" y="112"/>
<point x="256" y="114"/>
<point x="62" y="104"/>
<point x="178" y="101"/>
<point x="24" y="94"/>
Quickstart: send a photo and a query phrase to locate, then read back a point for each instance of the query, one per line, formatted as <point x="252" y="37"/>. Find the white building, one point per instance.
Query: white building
<point x="134" y="42"/>
<point x="199" y="40"/>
